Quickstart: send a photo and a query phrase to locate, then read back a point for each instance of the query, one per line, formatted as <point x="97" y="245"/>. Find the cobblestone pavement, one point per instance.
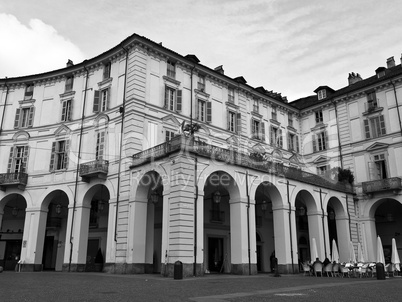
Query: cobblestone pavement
<point x="52" y="286"/>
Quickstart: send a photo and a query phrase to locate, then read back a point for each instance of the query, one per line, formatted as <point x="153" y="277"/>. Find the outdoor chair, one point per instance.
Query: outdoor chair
<point x="328" y="270"/>
<point x="344" y="271"/>
<point x="397" y="270"/>
<point x="317" y="268"/>
<point x="335" y="270"/>
<point x="363" y="270"/>
<point x="387" y="269"/>
<point x="306" y="269"/>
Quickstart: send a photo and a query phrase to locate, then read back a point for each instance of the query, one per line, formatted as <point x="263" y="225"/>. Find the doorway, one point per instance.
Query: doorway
<point x="215" y="255"/>
<point x="49" y="257"/>
<point x="92" y="250"/>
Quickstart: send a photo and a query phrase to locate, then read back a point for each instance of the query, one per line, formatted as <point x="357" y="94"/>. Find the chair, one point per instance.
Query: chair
<point x="306" y="269"/>
<point x="397" y="270"/>
<point x="317" y="268"/>
<point x="335" y="270"/>
<point x="363" y="270"/>
<point x="387" y="269"/>
<point x="344" y="271"/>
<point x="328" y="269"/>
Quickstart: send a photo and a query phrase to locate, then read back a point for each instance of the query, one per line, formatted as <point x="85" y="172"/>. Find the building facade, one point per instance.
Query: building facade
<point x="141" y="157"/>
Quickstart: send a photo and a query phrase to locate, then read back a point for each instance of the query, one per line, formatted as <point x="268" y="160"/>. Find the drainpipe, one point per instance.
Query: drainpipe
<point x="122" y="111"/>
<point x="339" y="136"/>
<point x="323" y="225"/>
<point x="290" y="226"/>
<point x="78" y="168"/>
<point x="5" y="104"/>
<point x="347" y="208"/>
<point x="195" y="216"/>
<point x="248" y="224"/>
<point x="397" y="107"/>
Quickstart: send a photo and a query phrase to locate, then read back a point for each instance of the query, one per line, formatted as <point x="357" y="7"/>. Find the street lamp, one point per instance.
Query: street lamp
<point x="217" y="197"/>
<point x="154" y="197"/>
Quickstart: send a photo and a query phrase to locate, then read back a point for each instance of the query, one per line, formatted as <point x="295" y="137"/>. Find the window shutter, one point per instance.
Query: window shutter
<point x="382" y="125"/>
<point x="238" y="122"/>
<point x="209" y="112"/>
<point x="165" y="105"/>
<point x="178" y="100"/>
<point x="107" y="105"/>
<point x="252" y="128"/>
<point x="70" y="110"/>
<point x="31" y="116"/>
<point x="10" y="160"/>
<point x="52" y="157"/>
<point x="66" y="153"/>
<point x="25" y="159"/>
<point x="314" y="143"/>
<point x="17" y="118"/>
<point x="96" y="101"/>
<point x="367" y="128"/>
<point x="326" y="140"/>
<point x="289" y="142"/>
<point x="228" y="119"/>
<point x="297" y="144"/>
<point x="263" y="131"/>
<point x="64" y="111"/>
<point x="280" y="138"/>
<point x="167" y="136"/>
<point x="272" y="136"/>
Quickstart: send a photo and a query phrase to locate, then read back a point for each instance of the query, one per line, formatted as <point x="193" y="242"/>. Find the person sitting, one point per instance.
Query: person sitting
<point x="326" y="261"/>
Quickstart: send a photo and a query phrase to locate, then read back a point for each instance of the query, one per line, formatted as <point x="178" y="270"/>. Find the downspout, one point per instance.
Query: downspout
<point x="323" y="225"/>
<point x="347" y="208"/>
<point x="5" y="104"/>
<point x="122" y="111"/>
<point x="78" y="168"/>
<point x="339" y="136"/>
<point x="397" y="107"/>
<point x="248" y="224"/>
<point x="290" y="227"/>
<point x="195" y="216"/>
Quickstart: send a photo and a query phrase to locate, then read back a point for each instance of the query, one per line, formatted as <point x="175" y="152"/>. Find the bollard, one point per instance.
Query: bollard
<point x="178" y="270"/>
<point x="379" y="267"/>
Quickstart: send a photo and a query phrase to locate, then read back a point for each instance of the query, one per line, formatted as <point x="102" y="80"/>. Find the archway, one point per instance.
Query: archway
<point x="12" y="220"/>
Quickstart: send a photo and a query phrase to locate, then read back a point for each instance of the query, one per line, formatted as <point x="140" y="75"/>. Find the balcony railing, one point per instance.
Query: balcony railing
<point x="374" y="186"/>
<point x="181" y="143"/>
<point x="13" y="179"/>
<point x="96" y="168"/>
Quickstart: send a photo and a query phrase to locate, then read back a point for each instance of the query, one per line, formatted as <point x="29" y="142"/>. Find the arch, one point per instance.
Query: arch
<point x="98" y="191"/>
<point x="220" y="179"/>
<point x="10" y="197"/>
<point x="102" y="120"/>
<point x="305" y="197"/>
<point x="269" y="190"/>
<point x="53" y="193"/>
<point x="21" y="136"/>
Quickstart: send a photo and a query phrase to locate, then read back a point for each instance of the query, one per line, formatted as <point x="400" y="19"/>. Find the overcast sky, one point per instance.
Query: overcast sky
<point x="288" y="46"/>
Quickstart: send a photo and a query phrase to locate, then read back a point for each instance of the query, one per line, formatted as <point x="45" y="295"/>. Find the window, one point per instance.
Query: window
<point x="322" y="94"/>
<point x="173" y="99"/>
<point x="100" y="145"/>
<point x="66" y="111"/>
<point x="171" y="69"/>
<point x="101" y="100"/>
<point x="204" y="111"/>
<point x="231" y="95"/>
<point x="59" y="156"/>
<point x="378" y="168"/>
<point x="201" y="83"/>
<point x="69" y="84"/>
<point x="255" y="106"/>
<point x="276" y="137"/>
<point x="169" y="135"/>
<point x="318" y="117"/>
<point x="18" y="159"/>
<point x="371" y="101"/>
<point x="24" y="117"/>
<point x="293" y="142"/>
<point x="290" y="119"/>
<point x="257" y="129"/>
<point x="106" y="70"/>
<point x="374" y="127"/>
<point x="320" y="141"/>
<point x="216" y="213"/>
<point x="29" y="92"/>
<point x="234" y="121"/>
<point x="323" y="170"/>
<point x="274" y="115"/>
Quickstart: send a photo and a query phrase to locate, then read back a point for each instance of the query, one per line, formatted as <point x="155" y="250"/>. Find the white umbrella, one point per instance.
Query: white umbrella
<point x="360" y="255"/>
<point x="314" y="252"/>
<point x="352" y="255"/>
<point x="335" y="253"/>
<point x="395" y="256"/>
<point x="380" y="252"/>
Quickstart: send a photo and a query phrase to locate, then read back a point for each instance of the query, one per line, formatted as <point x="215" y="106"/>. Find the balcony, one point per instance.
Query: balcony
<point x="94" y="169"/>
<point x="370" y="187"/>
<point x="18" y="180"/>
<point x="184" y="144"/>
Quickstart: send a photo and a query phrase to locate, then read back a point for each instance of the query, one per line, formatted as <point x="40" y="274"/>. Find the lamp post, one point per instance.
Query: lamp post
<point x="154" y="197"/>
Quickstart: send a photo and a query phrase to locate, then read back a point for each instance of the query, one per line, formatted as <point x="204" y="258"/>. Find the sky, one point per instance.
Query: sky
<point x="288" y="46"/>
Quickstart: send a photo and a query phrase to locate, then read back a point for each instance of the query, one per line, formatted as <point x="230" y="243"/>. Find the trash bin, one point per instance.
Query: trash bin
<point x="178" y="270"/>
<point x="379" y="267"/>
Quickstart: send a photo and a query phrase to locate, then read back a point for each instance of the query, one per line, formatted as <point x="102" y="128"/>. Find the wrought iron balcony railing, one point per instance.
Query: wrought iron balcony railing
<point x="96" y="168"/>
<point x="374" y="186"/>
<point x="229" y="156"/>
<point x="13" y="179"/>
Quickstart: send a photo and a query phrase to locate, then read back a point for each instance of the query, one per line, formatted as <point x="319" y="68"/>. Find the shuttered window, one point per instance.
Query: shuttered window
<point x="59" y="156"/>
<point x="24" y="117"/>
<point x="100" y="145"/>
<point x="18" y="159"/>
<point x="173" y="99"/>
<point x="374" y="127"/>
<point x="66" y="111"/>
<point x="101" y="100"/>
<point x="320" y="141"/>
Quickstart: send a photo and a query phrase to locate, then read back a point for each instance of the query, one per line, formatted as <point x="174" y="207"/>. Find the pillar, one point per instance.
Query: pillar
<point x="343" y="233"/>
<point x="316" y="231"/>
<point x="111" y="243"/>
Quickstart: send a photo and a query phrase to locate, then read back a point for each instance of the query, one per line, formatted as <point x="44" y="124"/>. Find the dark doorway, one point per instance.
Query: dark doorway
<point x="215" y="255"/>
<point x="12" y="254"/>
<point x="259" y="264"/>
<point x="93" y="246"/>
<point x="49" y="257"/>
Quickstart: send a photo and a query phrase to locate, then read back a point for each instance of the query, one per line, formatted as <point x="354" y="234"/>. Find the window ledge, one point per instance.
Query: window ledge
<point x="319" y="126"/>
<point x="372" y="111"/>
<point x="256" y="114"/>
<point x="105" y="83"/>
<point x="171" y="80"/>
<point x="292" y="128"/>
<point x="275" y="122"/>
<point x="233" y="105"/>
<point x="200" y="92"/>
<point x="67" y="94"/>
<point x="24" y="102"/>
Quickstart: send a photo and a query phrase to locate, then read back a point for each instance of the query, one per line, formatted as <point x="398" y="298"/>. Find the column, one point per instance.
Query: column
<point x="111" y="243"/>
<point x="200" y="234"/>
<point x="316" y="231"/>
<point x="343" y="234"/>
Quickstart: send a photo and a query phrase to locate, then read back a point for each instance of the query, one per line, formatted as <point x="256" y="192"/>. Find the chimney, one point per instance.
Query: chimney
<point x="390" y="62"/>
<point x="69" y="63"/>
<point x="354" y="78"/>
<point x="220" y="69"/>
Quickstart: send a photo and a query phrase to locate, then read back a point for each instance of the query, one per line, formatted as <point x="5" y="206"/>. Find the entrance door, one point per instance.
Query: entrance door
<point x="93" y="246"/>
<point x="215" y="255"/>
<point x="259" y="266"/>
<point x="12" y="254"/>
<point x="49" y="259"/>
